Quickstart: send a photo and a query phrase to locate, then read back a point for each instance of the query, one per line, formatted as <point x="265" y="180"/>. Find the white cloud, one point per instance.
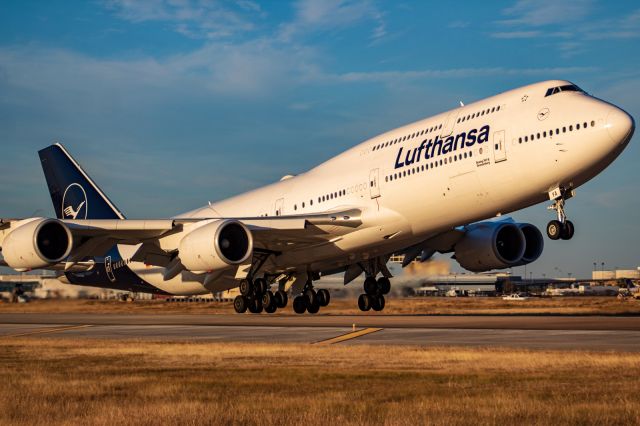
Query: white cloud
<point x="328" y="15"/>
<point x="196" y="19"/>
<point x="546" y="12"/>
<point x="397" y="76"/>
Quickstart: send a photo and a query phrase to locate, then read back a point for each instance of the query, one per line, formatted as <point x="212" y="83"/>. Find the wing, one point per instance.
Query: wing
<point x="157" y="238"/>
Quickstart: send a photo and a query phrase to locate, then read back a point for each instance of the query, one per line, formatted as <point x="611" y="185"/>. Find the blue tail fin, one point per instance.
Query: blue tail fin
<point x="73" y="192"/>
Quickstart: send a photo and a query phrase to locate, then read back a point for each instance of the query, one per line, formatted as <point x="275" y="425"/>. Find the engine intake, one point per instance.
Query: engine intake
<point x="216" y="245"/>
<point x="491" y="245"/>
<point x="36" y="243"/>
<point x="534" y="243"/>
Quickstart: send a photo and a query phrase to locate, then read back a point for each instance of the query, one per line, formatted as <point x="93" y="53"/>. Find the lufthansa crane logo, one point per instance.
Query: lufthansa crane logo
<point x="74" y="202"/>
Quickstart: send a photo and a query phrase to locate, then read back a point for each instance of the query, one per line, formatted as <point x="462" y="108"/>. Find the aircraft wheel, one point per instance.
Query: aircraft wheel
<point x="554" y="229"/>
<point x="567" y="230"/>
<point x="261" y="285"/>
<point x="270" y="309"/>
<point x="240" y="304"/>
<point x="324" y="297"/>
<point x="255" y="306"/>
<point x="378" y="303"/>
<point x="364" y="302"/>
<point x="281" y="298"/>
<point x="268" y="299"/>
<point x="246" y="288"/>
<point x="370" y="286"/>
<point x="384" y="285"/>
<point x="313" y="308"/>
<point x="300" y="304"/>
<point x="312" y="297"/>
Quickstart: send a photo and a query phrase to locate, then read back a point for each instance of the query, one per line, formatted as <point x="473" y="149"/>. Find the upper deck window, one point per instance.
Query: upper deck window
<point x="565" y="88"/>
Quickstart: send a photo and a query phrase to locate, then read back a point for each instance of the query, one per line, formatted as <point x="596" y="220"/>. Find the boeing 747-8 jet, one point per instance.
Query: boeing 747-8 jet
<point x="426" y="187"/>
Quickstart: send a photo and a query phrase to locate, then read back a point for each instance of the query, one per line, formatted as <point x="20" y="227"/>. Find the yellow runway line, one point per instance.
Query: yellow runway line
<point x="348" y="336"/>
<point x="48" y="330"/>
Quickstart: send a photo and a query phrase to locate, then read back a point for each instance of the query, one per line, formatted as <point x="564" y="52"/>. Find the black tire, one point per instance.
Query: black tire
<point x="270" y="309"/>
<point x="260" y="285"/>
<point x="370" y="286"/>
<point x="378" y="302"/>
<point x="384" y="285"/>
<point x="268" y="299"/>
<point x="364" y="302"/>
<point x="240" y="304"/>
<point x="300" y="305"/>
<point x="246" y="288"/>
<point x="281" y="298"/>
<point x="255" y="306"/>
<point x="324" y="297"/>
<point x="554" y="229"/>
<point x="313" y="308"/>
<point x="312" y="297"/>
<point x="568" y="230"/>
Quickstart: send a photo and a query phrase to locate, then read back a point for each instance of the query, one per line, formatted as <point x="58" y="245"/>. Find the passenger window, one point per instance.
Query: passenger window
<point x="593" y="123"/>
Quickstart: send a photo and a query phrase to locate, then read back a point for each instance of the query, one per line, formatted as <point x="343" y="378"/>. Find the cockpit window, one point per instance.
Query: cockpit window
<point x="565" y="88"/>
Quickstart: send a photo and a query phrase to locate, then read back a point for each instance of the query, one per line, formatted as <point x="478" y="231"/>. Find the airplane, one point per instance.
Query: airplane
<point x="442" y="184"/>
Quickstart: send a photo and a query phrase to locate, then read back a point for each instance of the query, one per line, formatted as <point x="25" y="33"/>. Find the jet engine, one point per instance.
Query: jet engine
<point x="36" y="243"/>
<point x="216" y="245"/>
<point x="491" y="245"/>
<point x="534" y="243"/>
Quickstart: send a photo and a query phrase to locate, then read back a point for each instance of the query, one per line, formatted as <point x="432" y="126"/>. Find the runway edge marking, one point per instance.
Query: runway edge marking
<point x="348" y="336"/>
<point x="48" y="330"/>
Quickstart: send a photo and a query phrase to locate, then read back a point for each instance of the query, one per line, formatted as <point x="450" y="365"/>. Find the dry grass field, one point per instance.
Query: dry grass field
<point x="51" y="382"/>
<point x="430" y="306"/>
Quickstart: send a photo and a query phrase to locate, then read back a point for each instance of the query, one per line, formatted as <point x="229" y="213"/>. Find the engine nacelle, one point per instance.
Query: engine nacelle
<point x="534" y="243"/>
<point x="490" y="245"/>
<point x="216" y="245"/>
<point x="37" y="243"/>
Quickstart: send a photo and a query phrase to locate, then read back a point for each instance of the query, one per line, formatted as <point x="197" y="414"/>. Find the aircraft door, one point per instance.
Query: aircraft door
<point x="499" y="146"/>
<point x="447" y="129"/>
<point x="374" y="183"/>
<point x="279" y="207"/>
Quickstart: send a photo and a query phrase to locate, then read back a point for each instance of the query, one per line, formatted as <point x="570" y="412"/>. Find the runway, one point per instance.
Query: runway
<point x="531" y="332"/>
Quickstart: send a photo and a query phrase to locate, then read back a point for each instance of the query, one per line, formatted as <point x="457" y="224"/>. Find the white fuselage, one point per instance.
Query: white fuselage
<point x="477" y="161"/>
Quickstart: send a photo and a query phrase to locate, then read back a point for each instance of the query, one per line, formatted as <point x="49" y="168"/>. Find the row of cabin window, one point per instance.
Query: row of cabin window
<point x="558" y="130"/>
<point x="323" y="198"/>
<point x="404" y="138"/>
<point x="425" y="167"/>
<point x="478" y="114"/>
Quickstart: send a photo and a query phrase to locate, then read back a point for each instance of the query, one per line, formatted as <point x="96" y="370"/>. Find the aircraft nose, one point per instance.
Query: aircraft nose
<point x="620" y="126"/>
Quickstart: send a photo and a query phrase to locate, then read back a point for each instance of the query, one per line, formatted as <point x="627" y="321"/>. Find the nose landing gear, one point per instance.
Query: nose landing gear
<point x="562" y="228"/>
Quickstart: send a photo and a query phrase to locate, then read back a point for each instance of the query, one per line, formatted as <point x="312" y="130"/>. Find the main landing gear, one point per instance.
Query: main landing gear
<point x="311" y="300"/>
<point x="374" y="291"/>
<point x="256" y="296"/>
<point x="562" y="228"/>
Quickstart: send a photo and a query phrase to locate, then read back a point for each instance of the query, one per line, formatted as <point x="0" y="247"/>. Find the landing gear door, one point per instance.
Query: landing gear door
<point x="374" y="183"/>
<point x="108" y="267"/>
<point x="279" y="207"/>
<point x="499" y="146"/>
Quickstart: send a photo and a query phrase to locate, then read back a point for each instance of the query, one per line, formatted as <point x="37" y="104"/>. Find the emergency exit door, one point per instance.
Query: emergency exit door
<point x="499" y="146"/>
<point x="374" y="183"/>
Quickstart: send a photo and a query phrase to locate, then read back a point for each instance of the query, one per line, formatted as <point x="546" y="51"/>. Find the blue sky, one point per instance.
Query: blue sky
<point x="169" y="104"/>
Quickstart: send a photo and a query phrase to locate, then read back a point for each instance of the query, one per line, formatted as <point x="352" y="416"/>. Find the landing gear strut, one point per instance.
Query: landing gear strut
<point x="374" y="291"/>
<point x="562" y="228"/>
<point x="256" y="296"/>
